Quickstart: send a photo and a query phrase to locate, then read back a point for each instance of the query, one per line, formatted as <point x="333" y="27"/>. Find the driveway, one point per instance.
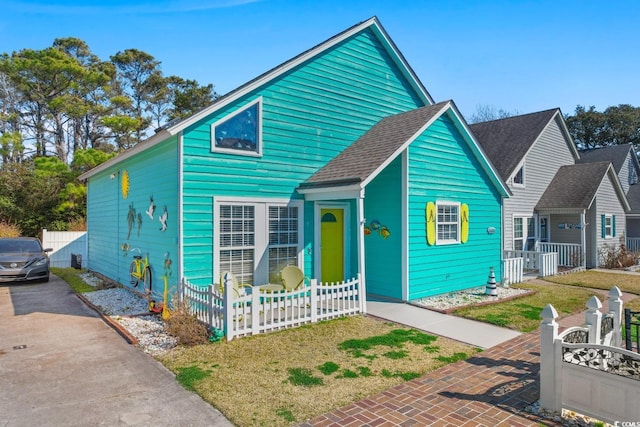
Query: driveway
<point x="60" y="364"/>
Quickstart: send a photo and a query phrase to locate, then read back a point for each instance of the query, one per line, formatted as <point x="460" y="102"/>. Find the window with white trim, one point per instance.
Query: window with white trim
<point x="257" y="240"/>
<point x="524" y="233"/>
<point x="518" y="178"/>
<point x="608" y="226"/>
<point x="237" y="241"/>
<point x="283" y="239"/>
<point x="239" y="133"/>
<point x="447" y="223"/>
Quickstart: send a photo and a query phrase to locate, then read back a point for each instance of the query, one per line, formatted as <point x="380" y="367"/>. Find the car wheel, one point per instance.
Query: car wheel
<point x="45" y="279"/>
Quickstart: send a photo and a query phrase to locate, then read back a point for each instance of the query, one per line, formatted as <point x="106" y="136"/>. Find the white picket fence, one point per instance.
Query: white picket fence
<point x="512" y="271"/>
<point x="545" y="263"/>
<point x="65" y="243"/>
<point x="259" y="312"/>
<point x="584" y="369"/>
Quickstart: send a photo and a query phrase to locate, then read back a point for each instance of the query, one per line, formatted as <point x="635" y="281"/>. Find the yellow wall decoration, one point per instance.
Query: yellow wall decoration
<point x="125" y="184"/>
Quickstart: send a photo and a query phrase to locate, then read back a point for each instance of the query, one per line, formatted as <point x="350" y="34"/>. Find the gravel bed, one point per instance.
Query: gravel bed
<point x="468" y="297"/>
<point x="131" y="311"/>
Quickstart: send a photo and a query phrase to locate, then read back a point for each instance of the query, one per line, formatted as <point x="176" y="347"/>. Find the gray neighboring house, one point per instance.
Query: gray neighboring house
<point x="625" y="162"/>
<point x="556" y="205"/>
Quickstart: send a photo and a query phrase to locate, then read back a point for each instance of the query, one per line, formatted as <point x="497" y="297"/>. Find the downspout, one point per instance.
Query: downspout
<point x="361" y="263"/>
<point x="583" y="238"/>
<point x="180" y="209"/>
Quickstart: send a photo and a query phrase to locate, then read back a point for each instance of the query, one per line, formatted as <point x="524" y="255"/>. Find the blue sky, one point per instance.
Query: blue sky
<point x="520" y="56"/>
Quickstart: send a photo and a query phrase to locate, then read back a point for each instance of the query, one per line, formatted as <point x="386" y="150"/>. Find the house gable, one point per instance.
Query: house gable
<point x="443" y="169"/>
<point x="525" y="143"/>
<point x="310" y="114"/>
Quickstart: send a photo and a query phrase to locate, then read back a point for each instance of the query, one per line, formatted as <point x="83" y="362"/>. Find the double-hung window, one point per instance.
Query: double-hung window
<point x="447" y="223"/>
<point x="258" y="239"/>
<point x="608" y="226"/>
<point x="524" y="233"/>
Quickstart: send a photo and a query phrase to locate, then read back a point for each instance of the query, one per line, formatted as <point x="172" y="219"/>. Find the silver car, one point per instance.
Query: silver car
<point x="22" y="259"/>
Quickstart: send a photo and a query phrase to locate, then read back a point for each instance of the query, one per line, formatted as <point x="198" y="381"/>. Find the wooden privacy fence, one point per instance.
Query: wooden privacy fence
<point x="584" y="369"/>
<point x="65" y="243"/>
<point x="258" y="312"/>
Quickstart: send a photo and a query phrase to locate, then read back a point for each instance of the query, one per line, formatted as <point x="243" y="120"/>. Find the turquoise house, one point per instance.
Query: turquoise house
<point x="337" y="161"/>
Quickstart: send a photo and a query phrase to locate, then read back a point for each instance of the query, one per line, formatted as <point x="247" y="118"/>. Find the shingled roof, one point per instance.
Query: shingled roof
<point x="633" y="196"/>
<point x="616" y="154"/>
<point x="362" y="158"/>
<point x="574" y="186"/>
<point x="507" y="141"/>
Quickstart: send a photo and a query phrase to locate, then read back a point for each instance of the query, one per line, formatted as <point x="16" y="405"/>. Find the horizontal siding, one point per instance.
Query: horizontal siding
<point x="153" y="172"/>
<point x="608" y="203"/>
<point x="542" y="162"/>
<point x="309" y="115"/>
<point x="443" y="168"/>
<point x="383" y="203"/>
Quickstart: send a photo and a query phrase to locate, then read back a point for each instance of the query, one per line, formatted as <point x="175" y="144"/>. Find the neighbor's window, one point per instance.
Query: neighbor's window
<point x="448" y="223"/>
<point x="239" y="133"/>
<point x="608" y="226"/>
<point x="518" y="178"/>
<point x="524" y="233"/>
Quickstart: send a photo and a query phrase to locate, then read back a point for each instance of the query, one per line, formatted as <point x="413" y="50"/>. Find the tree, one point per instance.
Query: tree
<point x="590" y="128"/>
<point x="139" y="73"/>
<point x="486" y="113"/>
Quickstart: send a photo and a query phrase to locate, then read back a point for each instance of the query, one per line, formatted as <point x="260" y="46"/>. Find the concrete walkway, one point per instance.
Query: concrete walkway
<point x="61" y="365"/>
<point x="479" y="334"/>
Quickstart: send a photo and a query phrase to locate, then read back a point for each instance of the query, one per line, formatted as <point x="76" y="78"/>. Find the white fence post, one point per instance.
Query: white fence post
<point x="314" y="300"/>
<point x="593" y="319"/>
<point x="550" y="378"/>
<point x="362" y="294"/>
<point x="615" y="310"/>
<point x="227" y="297"/>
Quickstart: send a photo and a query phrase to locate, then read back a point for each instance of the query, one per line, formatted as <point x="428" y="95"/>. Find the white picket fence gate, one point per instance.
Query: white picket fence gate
<point x="259" y="312"/>
<point x="584" y="369"/>
<point x="65" y="243"/>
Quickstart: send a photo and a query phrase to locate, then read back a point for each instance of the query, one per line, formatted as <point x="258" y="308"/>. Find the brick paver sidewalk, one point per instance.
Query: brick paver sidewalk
<point x="490" y="389"/>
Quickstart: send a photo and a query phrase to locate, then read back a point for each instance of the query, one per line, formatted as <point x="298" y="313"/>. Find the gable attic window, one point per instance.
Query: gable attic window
<point x="518" y="178"/>
<point x="239" y="132"/>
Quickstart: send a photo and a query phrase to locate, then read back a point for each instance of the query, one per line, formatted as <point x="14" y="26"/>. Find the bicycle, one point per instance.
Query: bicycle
<point x="140" y="272"/>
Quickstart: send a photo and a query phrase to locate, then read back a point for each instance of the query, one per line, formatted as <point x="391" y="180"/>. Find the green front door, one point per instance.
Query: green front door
<point x="332" y="245"/>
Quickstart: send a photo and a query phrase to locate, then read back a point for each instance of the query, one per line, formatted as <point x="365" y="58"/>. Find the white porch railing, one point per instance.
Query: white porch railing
<point x="585" y="370"/>
<point x="512" y="271"/>
<point x="633" y="244"/>
<point x="545" y="263"/>
<point x="258" y="312"/>
<point x="569" y="254"/>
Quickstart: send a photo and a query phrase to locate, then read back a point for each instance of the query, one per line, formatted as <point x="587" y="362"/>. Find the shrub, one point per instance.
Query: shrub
<point x="186" y="327"/>
<point x="9" y="230"/>
<point x="616" y="256"/>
